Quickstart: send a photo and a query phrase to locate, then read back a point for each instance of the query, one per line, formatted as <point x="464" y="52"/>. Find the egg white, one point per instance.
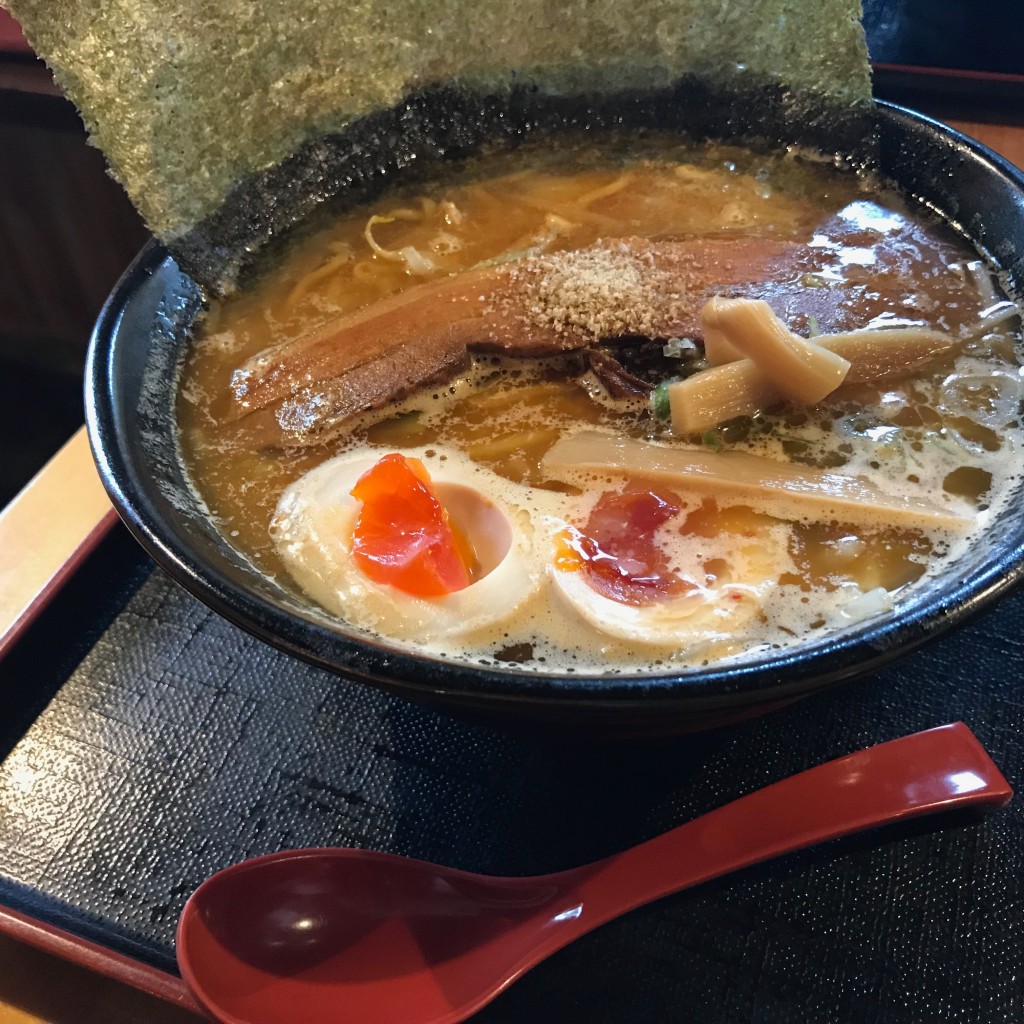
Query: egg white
<point x="312" y="531"/>
<point x="748" y="570"/>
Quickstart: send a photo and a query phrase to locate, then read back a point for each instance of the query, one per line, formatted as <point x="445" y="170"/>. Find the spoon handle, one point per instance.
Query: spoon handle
<point x="941" y="769"/>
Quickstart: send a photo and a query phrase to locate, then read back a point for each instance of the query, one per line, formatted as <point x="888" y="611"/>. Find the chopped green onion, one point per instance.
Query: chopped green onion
<point x="712" y="440"/>
<point x="813" y="330"/>
<point x="661" y="407"/>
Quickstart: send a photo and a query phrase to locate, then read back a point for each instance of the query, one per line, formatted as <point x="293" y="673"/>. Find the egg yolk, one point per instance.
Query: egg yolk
<point x="403" y="536"/>
<point x="616" y="549"/>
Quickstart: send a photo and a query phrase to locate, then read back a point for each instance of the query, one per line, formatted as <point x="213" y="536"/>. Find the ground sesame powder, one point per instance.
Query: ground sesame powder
<point x="598" y="292"/>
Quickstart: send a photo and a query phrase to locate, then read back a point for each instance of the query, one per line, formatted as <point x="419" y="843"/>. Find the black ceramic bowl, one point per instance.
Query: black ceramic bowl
<point x="134" y="358"/>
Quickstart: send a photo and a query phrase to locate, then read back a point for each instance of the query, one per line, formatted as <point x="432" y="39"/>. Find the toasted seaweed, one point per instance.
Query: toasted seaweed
<point x="228" y="121"/>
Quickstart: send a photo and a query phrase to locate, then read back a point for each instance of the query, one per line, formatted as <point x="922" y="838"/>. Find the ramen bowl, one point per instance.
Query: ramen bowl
<point x="135" y="360"/>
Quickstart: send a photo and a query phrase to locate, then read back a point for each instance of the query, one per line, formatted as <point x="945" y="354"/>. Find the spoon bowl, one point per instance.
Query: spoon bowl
<point x="344" y="935"/>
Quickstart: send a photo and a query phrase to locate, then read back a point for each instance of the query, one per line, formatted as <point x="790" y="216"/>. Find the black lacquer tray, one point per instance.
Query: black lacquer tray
<point x="146" y="742"/>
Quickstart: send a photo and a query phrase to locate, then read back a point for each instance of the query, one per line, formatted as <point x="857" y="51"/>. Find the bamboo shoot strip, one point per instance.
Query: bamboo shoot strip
<point x="779" y="488"/>
<point x="801" y="369"/>
<point x="741" y="389"/>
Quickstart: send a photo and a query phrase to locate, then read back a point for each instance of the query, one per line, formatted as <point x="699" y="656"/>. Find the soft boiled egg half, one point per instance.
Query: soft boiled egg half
<point x="386" y="562"/>
<point x="427" y="546"/>
<point x="651" y="567"/>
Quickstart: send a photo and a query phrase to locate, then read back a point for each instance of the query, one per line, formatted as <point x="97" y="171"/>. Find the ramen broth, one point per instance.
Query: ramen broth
<point x="741" y="574"/>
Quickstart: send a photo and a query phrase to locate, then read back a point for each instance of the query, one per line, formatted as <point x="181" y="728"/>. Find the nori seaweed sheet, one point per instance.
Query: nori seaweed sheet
<point x="204" y="109"/>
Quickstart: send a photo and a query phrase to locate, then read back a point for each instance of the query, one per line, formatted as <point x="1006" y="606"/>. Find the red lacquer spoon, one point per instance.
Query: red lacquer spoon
<point x="341" y="936"/>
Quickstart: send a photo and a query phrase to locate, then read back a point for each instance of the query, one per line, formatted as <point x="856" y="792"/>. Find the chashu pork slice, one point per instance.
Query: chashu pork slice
<point x="301" y="392"/>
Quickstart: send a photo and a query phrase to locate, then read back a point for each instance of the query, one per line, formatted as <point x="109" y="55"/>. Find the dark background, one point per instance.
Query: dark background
<point x="67" y="231"/>
<point x="978" y="35"/>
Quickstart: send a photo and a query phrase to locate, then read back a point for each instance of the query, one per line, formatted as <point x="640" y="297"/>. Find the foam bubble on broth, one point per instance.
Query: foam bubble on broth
<point x="941" y="434"/>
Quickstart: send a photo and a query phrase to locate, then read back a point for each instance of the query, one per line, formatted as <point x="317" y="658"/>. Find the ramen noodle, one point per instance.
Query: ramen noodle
<point x="610" y="410"/>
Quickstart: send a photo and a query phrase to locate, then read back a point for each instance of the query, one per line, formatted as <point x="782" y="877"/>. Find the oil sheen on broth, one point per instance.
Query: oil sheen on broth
<point x="675" y="570"/>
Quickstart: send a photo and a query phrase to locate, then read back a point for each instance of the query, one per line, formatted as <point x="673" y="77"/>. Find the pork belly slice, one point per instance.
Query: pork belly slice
<point x="619" y="288"/>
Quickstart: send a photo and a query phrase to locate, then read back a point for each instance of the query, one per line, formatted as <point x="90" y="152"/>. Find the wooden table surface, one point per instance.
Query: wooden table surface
<point x="35" y="987"/>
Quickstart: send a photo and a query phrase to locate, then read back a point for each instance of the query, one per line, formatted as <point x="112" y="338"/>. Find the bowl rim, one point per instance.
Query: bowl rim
<point x="777" y="676"/>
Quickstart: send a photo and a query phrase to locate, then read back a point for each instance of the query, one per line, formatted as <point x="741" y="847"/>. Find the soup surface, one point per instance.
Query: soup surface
<point x="598" y="522"/>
